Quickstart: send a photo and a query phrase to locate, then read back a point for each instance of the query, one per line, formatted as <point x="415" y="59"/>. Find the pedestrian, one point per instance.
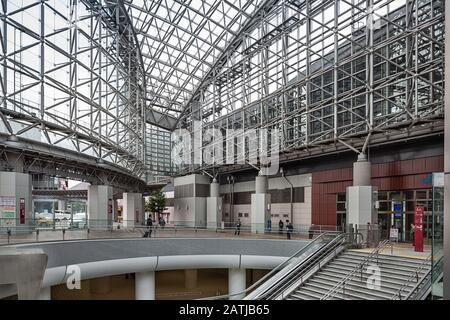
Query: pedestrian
<point x="280" y="226"/>
<point x="269" y="225"/>
<point x="311" y="231"/>
<point x="237" y="231"/>
<point x="289" y="229"/>
<point x="149" y="223"/>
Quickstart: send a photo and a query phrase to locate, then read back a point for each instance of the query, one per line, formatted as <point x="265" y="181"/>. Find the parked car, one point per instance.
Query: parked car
<point x="43" y="219"/>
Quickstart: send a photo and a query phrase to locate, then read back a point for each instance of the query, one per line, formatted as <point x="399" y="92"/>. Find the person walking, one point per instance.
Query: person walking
<point x="237" y="231"/>
<point x="311" y="231"/>
<point x="149" y="223"/>
<point x="280" y="226"/>
<point x="269" y="225"/>
<point x="289" y="229"/>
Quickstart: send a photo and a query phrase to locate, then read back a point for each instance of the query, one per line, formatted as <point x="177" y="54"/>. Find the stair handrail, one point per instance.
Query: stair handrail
<point x="414" y="275"/>
<point x="277" y="268"/>
<point x="349" y="277"/>
<point x="436" y="268"/>
<point x="334" y="244"/>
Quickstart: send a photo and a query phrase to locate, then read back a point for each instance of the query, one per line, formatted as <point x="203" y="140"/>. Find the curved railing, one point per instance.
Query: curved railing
<point x="40" y="230"/>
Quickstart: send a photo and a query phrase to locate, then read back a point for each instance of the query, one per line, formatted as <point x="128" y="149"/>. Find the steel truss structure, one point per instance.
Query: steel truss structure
<point x="327" y="76"/>
<point x="111" y="79"/>
<point x="71" y="76"/>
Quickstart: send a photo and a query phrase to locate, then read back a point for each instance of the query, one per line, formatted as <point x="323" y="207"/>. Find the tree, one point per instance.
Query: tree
<point x="156" y="202"/>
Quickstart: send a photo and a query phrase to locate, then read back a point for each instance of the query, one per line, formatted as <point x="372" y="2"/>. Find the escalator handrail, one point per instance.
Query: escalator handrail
<point x="326" y="249"/>
<point x="277" y="268"/>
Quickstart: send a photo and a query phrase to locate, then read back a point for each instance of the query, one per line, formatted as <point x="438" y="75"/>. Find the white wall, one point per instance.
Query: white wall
<point x="301" y="211"/>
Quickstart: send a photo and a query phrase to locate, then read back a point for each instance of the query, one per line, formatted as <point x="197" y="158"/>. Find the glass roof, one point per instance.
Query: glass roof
<point x="180" y="41"/>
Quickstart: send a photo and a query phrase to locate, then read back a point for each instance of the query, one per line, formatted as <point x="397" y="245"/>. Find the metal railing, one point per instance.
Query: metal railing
<point x="306" y="267"/>
<point x="100" y="229"/>
<point x="318" y="241"/>
<point x="355" y="271"/>
<point x="415" y="276"/>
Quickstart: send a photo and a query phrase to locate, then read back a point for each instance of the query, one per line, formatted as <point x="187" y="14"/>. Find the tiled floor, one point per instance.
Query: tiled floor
<point x="403" y="249"/>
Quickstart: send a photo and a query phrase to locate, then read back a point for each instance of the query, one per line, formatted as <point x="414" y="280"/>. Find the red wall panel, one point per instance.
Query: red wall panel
<point x="392" y="176"/>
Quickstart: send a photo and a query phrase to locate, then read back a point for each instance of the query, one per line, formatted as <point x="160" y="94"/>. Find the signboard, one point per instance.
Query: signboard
<point x="110" y="209"/>
<point x="393" y="234"/>
<point x="22" y="210"/>
<point x="418" y="229"/>
<point x="7" y="210"/>
<point x="397" y="207"/>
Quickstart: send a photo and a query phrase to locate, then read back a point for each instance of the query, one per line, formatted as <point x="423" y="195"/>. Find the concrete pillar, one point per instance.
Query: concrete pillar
<point x="100" y="207"/>
<point x="260" y="205"/>
<point x="133" y="212"/>
<point x="447" y="160"/>
<point x="15" y="193"/>
<point x="45" y="294"/>
<point x="361" y="197"/>
<point x="101" y="285"/>
<point x="261" y="184"/>
<point x="214" y="205"/>
<point x="362" y="171"/>
<point x="236" y="283"/>
<point x="191" y="278"/>
<point x="62" y="204"/>
<point x="190" y="194"/>
<point x="25" y="269"/>
<point x="144" y="286"/>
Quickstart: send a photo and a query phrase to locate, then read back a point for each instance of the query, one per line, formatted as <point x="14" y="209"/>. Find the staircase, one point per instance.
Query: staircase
<point x="398" y="278"/>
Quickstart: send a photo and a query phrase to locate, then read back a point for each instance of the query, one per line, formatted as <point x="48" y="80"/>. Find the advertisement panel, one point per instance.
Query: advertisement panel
<point x="418" y="229"/>
<point x="7" y="210"/>
<point x="110" y="210"/>
<point x="22" y="210"/>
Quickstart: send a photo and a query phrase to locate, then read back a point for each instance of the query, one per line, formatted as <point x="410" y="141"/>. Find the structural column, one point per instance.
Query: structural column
<point x="191" y="193"/>
<point x="145" y="285"/>
<point x="45" y="294"/>
<point x="100" y="206"/>
<point x="132" y="210"/>
<point x="360" y="197"/>
<point x="214" y="206"/>
<point x="62" y="205"/>
<point x="260" y="205"/>
<point x="16" y="199"/>
<point x="447" y="159"/>
<point x="236" y="283"/>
